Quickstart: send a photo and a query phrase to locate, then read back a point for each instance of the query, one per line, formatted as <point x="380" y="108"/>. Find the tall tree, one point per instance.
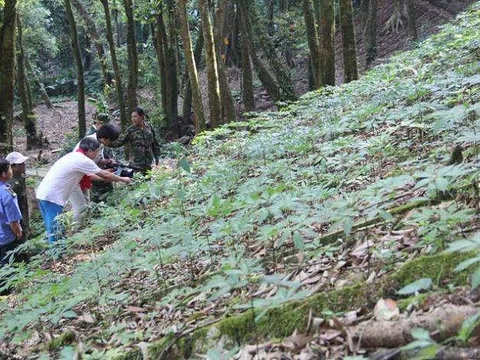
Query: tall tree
<point x="187" y="98"/>
<point x="82" y="122"/>
<point x="350" y="71"/>
<point x="287" y="43"/>
<point x="228" y="104"/>
<point x="27" y="111"/>
<point x="369" y="14"/>
<point x="287" y="90"/>
<point x="247" y="78"/>
<point x="266" y="43"/>
<point x="118" y="26"/>
<point x="161" y="57"/>
<point x="116" y="69"/>
<point x="132" y="57"/>
<point x="41" y="87"/>
<point x="92" y="30"/>
<point x="265" y="77"/>
<point x="165" y="46"/>
<point x="7" y="74"/>
<point x="312" y="37"/>
<point x="199" y="114"/>
<point x="270" y="5"/>
<point x="411" y="20"/>
<point x="212" y="67"/>
<point x="233" y="48"/>
<point x="327" y="42"/>
<point x="172" y="53"/>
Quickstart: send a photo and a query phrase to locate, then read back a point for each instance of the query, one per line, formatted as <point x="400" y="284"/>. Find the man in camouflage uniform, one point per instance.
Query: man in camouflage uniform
<point x="18" y="185"/>
<point x="144" y="146"/>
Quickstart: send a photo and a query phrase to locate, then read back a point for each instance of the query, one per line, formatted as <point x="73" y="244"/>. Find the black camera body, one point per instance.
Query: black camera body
<point x="121" y="170"/>
<point x="124" y="171"/>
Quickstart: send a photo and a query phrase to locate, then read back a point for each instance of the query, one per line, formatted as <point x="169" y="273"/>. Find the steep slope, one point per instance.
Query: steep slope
<point x="325" y="206"/>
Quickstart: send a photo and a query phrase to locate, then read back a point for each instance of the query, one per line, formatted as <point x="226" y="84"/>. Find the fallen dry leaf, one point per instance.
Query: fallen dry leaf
<point x="386" y="309"/>
<point x="296" y="342"/>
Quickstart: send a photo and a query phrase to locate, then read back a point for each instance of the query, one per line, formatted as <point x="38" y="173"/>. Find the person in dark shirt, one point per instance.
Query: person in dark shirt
<point x="10" y="215"/>
<point x="18" y="185"/>
<point x="144" y="146"/>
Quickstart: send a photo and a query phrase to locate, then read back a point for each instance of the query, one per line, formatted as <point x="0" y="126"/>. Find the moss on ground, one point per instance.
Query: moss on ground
<point x="282" y="321"/>
<point x="68" y="337"/>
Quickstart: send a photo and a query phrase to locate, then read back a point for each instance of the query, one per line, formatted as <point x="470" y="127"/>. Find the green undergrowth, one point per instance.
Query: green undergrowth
<point x="221" y="221"/>
<point x="282" y="322"/>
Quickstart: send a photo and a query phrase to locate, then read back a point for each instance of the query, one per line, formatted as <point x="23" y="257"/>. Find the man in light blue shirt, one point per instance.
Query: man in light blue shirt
<point x="10" y="215"/>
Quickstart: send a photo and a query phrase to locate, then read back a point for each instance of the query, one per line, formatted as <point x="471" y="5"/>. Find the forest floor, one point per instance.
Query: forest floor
<point x="319" y="210"/>
<point x="317" y="231"/>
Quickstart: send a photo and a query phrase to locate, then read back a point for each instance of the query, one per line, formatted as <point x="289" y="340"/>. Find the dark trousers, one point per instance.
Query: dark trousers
<point x="4" y="258"/>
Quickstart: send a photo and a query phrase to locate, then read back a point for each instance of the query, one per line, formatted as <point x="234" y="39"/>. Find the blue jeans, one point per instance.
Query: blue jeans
<point x="50" y="211"/>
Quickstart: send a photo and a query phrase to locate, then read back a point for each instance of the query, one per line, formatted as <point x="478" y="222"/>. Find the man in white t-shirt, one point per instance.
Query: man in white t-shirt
<point x="64" y="176"/>
<point x="79" y="199"/>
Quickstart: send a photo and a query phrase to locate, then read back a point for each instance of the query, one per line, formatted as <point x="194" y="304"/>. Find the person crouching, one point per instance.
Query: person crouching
<point x="64" y="177"/>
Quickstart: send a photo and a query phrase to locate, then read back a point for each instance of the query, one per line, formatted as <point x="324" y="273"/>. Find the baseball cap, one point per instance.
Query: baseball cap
<point x="15" y="158"/>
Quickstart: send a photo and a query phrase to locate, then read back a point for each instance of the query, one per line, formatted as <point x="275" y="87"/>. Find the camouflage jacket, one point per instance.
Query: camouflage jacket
<point x="144" y="146"/>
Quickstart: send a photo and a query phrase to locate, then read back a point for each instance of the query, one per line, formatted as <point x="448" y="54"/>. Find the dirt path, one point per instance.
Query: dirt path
<point x="57" y="125"/>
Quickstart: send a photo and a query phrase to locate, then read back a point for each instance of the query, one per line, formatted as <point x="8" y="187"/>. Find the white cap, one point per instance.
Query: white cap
<point x="15" y="158"/>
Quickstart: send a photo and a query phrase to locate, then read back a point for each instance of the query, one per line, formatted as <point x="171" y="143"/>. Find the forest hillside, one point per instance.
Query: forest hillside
<point x="279" y="235"/>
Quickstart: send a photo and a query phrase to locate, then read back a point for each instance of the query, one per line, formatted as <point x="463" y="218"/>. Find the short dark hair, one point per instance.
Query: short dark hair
<point x="89" y="144"/>
<point x="108" y="131"/>
<point x="4" y="165"/>
<point x="139" y="111"/>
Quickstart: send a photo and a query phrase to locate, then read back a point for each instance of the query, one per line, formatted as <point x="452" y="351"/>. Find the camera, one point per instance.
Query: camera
<point x="121" y="170"/>
<point x="124" y="171"/>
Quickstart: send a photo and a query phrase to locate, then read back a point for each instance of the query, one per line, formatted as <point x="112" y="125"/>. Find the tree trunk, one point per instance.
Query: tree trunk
<point x="116" y="70"/>
<point x="309" y="16"/>
<point x="369" y="10"/>
<point x="228" y="104"/>
<point x="316" y="10"/>
<point x="187" y="98"/>
<point x="162" y="62"/>
<point x="82" y="123"/>
<point x="247" y="78"/>
<point x="173" y="68"/>
<point x="41" y="87"/>
<point x="7" y="75"/>
<point x="87" y="58"/>
<point x="118" y="29"/>
<point x="27" y="111"/>
<point x="281" y="74"/>
<point x="350" y="71"/>
<point x="270" y="4"/>
<point x="234" y="47"/>
<point x="92" y="30"/>
<point x="212" y="67"/>
<point x="199" y="114"/>
<point x="289" y="39"/>
<point x="443" y="322"/>
<point x="167" y="60"/>
<point x="132" y="57"/>
<point x="312" y="82"/>
<point x="265" y="78"/>
<point x="29" y="90"/>
<point x="327" y="42"/>
<point x="411" y="21"/>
